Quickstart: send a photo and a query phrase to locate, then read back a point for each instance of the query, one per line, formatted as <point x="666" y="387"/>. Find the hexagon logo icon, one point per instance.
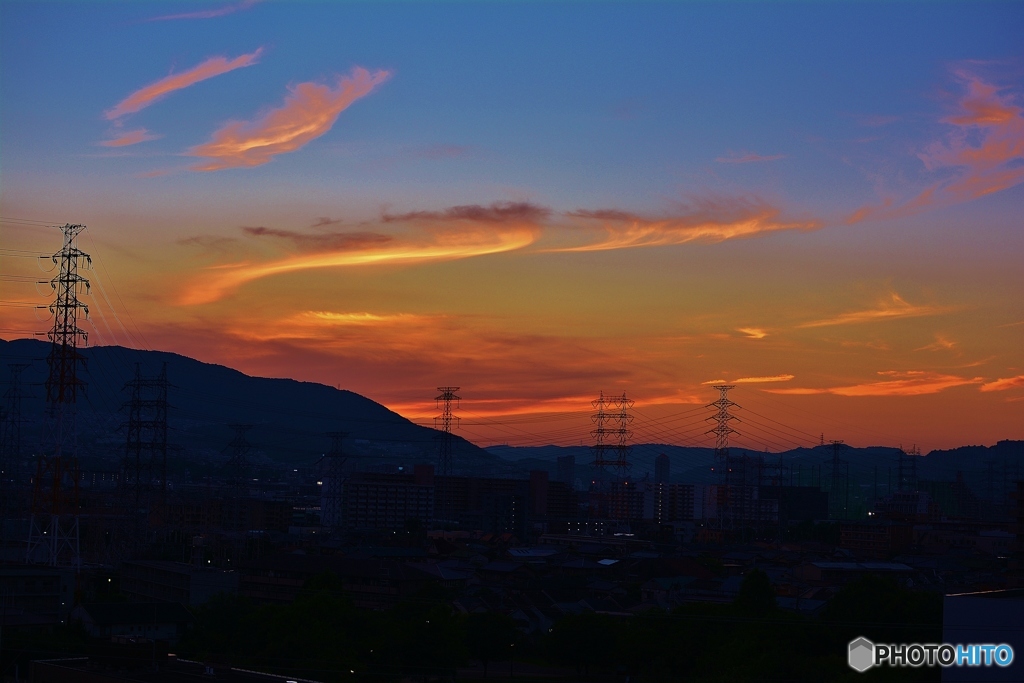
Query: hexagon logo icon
<point x="861" y="654"/>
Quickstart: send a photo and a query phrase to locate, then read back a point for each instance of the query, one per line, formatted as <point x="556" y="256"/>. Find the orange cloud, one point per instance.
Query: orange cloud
<point x="753" y="332"/>
<point x="132" y="137"/>
<point x="912" y="383"/>
<point x="941" y="343"/>
<point x="708" y="221"/>
<point x="324" y="325"/>
<point x="982" y="153"/>
<point x="887" y="310"/>
<point x="215" y="66"/>
<point x="1004" y="384"/>
<point x="218" y="281"/>
<point x="309" y="111"/>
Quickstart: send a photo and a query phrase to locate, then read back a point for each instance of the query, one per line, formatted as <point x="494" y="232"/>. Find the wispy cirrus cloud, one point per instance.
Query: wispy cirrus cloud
<point x="309" y="111"/>
<point x="752" y="332"/>
<point x="1004" y="384"/>
<point x="132" y="137"/>
<point x="895" y="307"/>
<point x="941" y="343"/>
<point x="208" y="13"/>
<point x="322" y="241"/>
<point x="747" y="158"/>
<point x="498" y="212"/>
<point x="453" y="233"/>
<point x="706" y="220"/>
<point x="981" y="155"/>
<point x="908" y="383"/>
<point x="214" y="66"/>
<point x="762" y="380"/>
<point x="323" y="325"/>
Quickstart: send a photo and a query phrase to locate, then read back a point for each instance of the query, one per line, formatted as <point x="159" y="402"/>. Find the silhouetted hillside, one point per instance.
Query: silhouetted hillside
<point x="290" y="418"/>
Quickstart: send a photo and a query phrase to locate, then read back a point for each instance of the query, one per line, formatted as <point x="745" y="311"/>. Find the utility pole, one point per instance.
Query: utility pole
<point x="444" y="422"/>
<point x="54" y="528"/>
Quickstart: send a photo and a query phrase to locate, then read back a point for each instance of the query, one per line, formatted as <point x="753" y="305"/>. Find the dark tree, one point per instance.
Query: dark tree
<point x="489" y="635"/>
<point x="756" y="598"/>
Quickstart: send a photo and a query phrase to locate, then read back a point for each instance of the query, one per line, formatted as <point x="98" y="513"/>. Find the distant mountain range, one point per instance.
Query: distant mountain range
<point x="989" y="471"/>
<point x="291" y="419"/>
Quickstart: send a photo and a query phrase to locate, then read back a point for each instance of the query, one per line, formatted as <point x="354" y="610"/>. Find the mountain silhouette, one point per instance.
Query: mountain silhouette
<point x="290" y="419"/>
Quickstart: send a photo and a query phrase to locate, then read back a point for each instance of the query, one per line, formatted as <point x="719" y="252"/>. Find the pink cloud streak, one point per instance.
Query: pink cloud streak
<point x="132" y="137"/>
<point x="309" y="111"/>
<point x="982" y="153"/>
<point x="208" y="14"/>
<point x="215" y="66"/>
<point x="748" y="158"/>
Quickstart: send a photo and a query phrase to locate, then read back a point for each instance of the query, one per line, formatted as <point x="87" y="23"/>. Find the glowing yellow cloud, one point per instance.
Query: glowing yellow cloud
<point x="220" y="280"/>
<point x="714" y="224"/>
<point x="759" y="380"/>
<point x="753" y="332"/>
<point x="887" y="310"/>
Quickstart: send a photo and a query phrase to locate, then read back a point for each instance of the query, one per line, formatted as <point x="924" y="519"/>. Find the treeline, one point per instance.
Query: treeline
<point x="323" y="637"/>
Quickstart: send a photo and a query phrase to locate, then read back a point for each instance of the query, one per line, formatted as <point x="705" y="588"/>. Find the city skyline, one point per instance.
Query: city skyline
<point x="534" y="202"/>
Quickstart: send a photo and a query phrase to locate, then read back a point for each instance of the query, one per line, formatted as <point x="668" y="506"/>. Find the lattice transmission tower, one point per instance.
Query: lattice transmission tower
<point x="144" y="468"/>
<point x="722" y="419"/>
<point x="732" y="492"/>
<point x="611" y="449"/>
<point x="54" y="527"/>
<point x="444" y="423"/>
<point x="332" y="483"/>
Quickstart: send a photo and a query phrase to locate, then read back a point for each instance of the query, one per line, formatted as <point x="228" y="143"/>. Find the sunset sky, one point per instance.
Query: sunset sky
<point x="821" y="203"/>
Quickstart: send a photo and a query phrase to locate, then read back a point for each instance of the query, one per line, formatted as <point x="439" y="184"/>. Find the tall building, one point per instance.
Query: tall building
<point x="681" y="502"/>
<point x="567" y="470"/>
<point x="662" y="469"/>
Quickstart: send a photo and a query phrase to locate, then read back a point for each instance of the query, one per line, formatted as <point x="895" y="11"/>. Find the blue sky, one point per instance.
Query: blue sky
<point x="732" y="144"/>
